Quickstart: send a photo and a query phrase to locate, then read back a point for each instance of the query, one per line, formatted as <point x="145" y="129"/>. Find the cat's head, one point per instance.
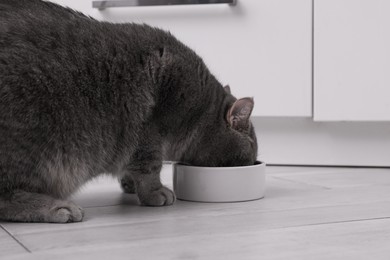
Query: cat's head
<point x="230" y="139"/>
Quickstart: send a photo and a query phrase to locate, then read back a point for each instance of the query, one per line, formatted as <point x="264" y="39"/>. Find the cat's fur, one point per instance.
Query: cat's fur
<point x="80" y="97"/>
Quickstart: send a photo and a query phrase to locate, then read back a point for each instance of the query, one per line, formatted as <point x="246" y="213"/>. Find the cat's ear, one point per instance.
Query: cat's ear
<point x="227" y="89"/>
<point x="238" y="115"/>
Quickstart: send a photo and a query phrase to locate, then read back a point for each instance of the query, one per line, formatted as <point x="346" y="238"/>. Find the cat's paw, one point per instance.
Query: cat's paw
<point x="66" y="212"/>
<point x="161" y="197"/>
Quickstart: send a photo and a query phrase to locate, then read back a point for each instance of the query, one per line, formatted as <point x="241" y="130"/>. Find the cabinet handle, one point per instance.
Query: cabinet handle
<point x="126" y="3"/>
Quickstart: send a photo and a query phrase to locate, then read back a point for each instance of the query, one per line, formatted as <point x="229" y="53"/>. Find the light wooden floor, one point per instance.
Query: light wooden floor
<point x="308" y="213"/>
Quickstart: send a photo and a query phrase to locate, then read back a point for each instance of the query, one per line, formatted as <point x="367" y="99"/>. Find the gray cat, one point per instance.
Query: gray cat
<point x="79" y="98"/>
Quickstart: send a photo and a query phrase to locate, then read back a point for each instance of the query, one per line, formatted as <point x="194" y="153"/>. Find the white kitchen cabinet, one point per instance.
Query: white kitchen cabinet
<point x="261" y="48"/>
<point x="352" y="60"/>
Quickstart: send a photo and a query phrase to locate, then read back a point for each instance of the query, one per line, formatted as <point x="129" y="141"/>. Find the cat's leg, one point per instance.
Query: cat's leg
<point x="148" y="186"/>
<point x="143" y="173"/>
<point x="22" y="206"/>
<point x="143" y="178"/>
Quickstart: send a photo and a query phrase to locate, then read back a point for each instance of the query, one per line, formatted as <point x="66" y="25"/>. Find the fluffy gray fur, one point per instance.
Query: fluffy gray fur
<point x="79" y="98"/>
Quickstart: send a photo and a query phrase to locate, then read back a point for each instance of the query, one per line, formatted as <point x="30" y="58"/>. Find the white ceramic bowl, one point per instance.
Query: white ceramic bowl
<point x="219" y="184"/>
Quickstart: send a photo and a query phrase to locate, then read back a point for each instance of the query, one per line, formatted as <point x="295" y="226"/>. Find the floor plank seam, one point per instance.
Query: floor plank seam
<point x="300" y="182"/>
<point x="105" y="206"/>
<point x="328" y="166"/>
<point x="16" y="240"/>
<point x="341" y="222"/>
<point x="318" y="207"/>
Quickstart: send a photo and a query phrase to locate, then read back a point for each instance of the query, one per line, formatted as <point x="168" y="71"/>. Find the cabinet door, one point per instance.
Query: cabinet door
<point x="352" y="60"/>
<point x="261" y="48"/>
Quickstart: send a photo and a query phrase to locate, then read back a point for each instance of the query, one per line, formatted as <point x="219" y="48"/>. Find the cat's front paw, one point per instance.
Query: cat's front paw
<point x="161" y="197"/>
<point x="66" y="212"/>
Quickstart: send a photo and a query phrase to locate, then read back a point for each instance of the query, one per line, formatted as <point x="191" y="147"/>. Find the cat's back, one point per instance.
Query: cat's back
<point x="31" y="23"/>
<point x="52" y="57"/>
<point x="18" y="12"/>
<point x="34" y="32"/>
<point x="37" y="32"/>
<point x="60" y="68"/>
<point x="40" y="55"/>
